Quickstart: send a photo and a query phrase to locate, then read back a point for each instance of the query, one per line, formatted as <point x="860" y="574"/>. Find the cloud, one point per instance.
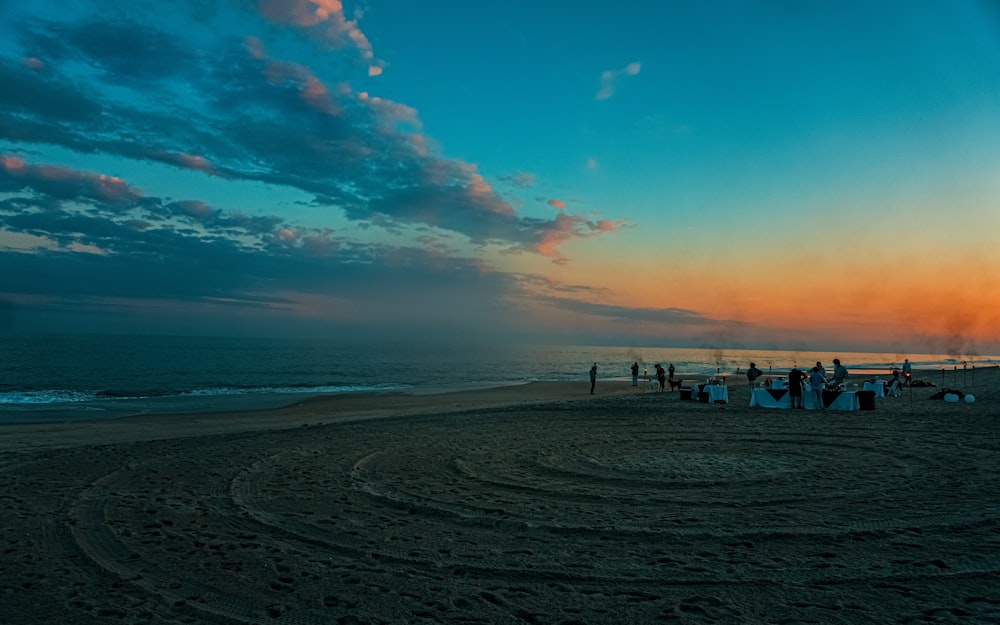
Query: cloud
<point x="325" y="17"/>
<point x="219" y="108"/>
<point x="249" y="116"/>
<point x="520" y="179"/>
<point x="610" y="79"/>
<point x="557" y="204"/>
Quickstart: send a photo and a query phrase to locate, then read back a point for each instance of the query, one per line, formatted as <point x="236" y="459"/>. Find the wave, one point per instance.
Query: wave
<point x="60" y="396"/>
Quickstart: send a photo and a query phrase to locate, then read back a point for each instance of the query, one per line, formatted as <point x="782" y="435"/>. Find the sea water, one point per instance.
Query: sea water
<point x="199" y="373"/>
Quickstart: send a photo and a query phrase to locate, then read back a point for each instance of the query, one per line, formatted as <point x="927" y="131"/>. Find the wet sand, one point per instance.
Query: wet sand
<point x="525" y="504"/>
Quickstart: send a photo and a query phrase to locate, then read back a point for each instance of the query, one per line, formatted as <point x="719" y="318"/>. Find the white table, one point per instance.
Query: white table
<point x="716" y="392"/>
<point x="761" y="398"/>
<point x="778" y="383"/>
<point x="878" y="387"/>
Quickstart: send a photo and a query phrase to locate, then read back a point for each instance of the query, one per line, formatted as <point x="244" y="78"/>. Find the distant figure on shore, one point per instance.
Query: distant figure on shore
<point x="635" y="374"/>
<point x="670" y="372"/>
<point x="593" y="378"/>
<point x="839" y="373"/>
<point x="795" y="387"/>
<point x="817" y="382"/>
<point x="752" y="374"/>
<point x="907" y="370"/>
<point x="661" y="376"/>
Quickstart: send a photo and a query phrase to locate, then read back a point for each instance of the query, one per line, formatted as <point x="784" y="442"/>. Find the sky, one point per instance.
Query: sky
<point x="764" y="174"/>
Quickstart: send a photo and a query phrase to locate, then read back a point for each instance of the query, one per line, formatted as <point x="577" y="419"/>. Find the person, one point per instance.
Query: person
<point x="753" y="373"/>
<point x="661" y="376"/>
<point x="593" y="378"/>
<point x="907" y="369"/>
<point x="817" y="382"/>
<point x="795" y="387"/>
<point x="821" y="368"/>
<point x="839" y="372"/>
<point x="635" y="374"/>
<point x="670" y="372"/>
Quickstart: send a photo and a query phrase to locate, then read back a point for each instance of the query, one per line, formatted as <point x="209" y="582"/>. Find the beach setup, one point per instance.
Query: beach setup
<point x="780" y="398"/>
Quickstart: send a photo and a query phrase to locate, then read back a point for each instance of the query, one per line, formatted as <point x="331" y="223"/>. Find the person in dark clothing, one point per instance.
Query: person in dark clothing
<point x="635" y="374"/>
<point x="593" y="378"/>
<point x="795" y="387"/>
<point x="661" y="377"/>
<point x="753" y="373"/>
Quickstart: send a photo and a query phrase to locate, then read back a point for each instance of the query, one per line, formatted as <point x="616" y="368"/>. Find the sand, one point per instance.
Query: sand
<point x="530" y="504"/>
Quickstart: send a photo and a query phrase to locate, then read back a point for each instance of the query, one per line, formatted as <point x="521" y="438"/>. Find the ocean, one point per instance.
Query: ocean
<point x="89" y="374"/>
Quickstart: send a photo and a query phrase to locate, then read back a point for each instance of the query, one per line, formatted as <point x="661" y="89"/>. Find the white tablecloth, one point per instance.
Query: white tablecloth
<point x="715" y="392"/>
<point x="761" y="398"/>
<point x="878" y="387"/>
<point x="778" y="383"/>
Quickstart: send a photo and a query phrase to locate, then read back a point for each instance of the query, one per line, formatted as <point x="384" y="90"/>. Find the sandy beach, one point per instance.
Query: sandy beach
<point x="537" y="503"/>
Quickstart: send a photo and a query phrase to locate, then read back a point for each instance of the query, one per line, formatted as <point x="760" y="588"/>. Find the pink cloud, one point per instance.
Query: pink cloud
<point x="313" y="14"/>
<point x="312" y="91"/>
<point x="565" y="227"/>
<point x="96" y="186"/>
<point x="558" y="204"/>
<point x="191" y="161"/>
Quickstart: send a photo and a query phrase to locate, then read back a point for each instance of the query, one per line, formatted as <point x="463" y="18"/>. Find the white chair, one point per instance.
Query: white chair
<point x="894" y="389"/>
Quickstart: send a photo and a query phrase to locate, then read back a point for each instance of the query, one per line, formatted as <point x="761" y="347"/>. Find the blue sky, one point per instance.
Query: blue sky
<point x="738" y="174"/>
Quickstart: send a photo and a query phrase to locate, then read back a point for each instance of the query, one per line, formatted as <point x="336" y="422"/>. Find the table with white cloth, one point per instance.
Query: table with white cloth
<point x="777" y="383"/>
<point x="716" y="392"/>
<point x="778" y="398"/>
<point x="878" y="387"/>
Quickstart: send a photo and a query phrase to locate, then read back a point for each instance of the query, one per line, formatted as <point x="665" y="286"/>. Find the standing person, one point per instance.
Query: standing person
<point x="907" y="369"/>
<point x="795" y="387"/>
<point x="635" y="374"/>
<point x="839" y="372"/>
<point x="593" y="378"/>
<point x="670" y="372"/>
<point x="753" y="373"/>
<point x="821" y="368"/>
<point x="817" y="382"/>
<point x="661" y="376"/>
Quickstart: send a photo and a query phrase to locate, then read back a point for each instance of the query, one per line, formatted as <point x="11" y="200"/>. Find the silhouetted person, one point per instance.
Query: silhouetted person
<point x="795" y="387"/>
<point x="817" y="382"/>
<point x="593" y="378"/>
<point x="753" y="373"/>
<point x="839" y="372"/>
<point x="635" y="374"/>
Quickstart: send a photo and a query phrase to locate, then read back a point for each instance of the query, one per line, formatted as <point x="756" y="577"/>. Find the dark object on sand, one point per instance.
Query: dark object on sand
<point x="946" y="391"/>
<point x="866" y="400"/>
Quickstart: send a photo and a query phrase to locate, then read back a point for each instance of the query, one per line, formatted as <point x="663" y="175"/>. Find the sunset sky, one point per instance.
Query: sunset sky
<point x="743" y="174"/>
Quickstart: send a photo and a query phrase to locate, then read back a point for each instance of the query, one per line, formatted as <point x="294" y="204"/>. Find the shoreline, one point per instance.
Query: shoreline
<point x="79" y="425"/>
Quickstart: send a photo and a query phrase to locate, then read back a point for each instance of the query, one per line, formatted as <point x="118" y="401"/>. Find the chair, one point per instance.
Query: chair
<point x="894" y="389"/>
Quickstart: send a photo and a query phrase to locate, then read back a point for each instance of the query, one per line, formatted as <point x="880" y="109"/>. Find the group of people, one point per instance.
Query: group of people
<point x="815" y="379"/>
<point x="662" y="375"/>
